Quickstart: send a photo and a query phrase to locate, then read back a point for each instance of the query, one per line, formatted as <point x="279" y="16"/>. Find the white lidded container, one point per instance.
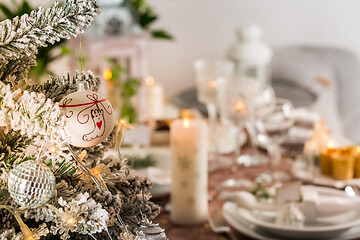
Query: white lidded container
<point x="251" y="56"/>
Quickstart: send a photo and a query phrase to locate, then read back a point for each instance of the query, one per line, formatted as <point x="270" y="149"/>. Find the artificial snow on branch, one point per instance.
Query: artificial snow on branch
<point x="30" y="113"/>
<point x="21" y="36"/>
<point x="26" y="33"/>
<point x="58" y="87"/>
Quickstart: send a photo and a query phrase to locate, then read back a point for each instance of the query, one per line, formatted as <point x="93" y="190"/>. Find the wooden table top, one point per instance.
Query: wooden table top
<point x="203" y="231"/>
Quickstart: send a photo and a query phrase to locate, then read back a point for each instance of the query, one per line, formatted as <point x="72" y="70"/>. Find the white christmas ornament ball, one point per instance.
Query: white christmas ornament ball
<point x="31" y="184"/>
<point x="89" y="116"/>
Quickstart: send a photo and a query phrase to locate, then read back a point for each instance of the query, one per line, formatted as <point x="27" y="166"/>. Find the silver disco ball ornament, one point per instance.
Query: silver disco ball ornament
<point x="149" y="231"/>
<point x="31" y="184"/>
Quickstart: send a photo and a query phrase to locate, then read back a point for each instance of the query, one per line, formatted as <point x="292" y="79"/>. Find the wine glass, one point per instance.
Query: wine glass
<point x="273" y="130"/>
<point x="209" y="74"/>
<point x="263" y="103"/>
<point x="235" y="108"/>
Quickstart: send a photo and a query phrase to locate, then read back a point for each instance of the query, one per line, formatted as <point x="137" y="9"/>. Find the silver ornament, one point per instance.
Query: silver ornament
<point x="149" y="231"/>
<point x="31" y="184"/>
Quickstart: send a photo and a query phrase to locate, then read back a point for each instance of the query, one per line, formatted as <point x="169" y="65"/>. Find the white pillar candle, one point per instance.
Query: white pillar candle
<point x="155" y="98"/>
<point x="189" y="148"/>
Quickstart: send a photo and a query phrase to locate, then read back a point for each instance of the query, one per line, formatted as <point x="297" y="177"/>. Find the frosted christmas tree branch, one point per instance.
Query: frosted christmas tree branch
<point x="28" y="112"/>
<point x="27" y="33"/>
<point x="21" y="36"/>
<point x="58" y="87"/>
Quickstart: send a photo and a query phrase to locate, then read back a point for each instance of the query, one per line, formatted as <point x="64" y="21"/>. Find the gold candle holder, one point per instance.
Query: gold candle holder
<point x="356" y="153"/>
<point x="343" y="165"/>
<point x="326" y="158"/>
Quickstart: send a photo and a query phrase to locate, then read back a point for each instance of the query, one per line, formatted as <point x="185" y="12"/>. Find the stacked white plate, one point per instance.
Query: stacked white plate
<point x="261" y="225"/>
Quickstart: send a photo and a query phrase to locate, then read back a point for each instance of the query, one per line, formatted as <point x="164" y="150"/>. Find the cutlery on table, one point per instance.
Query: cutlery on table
<point x="218" y="223"/>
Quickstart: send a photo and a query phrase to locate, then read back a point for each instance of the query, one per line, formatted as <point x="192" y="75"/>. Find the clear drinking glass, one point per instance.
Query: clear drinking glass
<point x="209" y="74"/>
<point x="263" y="103"/>
<point x="235" y="108"/>
<point x="273" y="129"/>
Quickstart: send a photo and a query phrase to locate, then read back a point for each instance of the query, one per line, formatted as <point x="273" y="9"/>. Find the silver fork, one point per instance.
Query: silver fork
<point x="218" y="223"/>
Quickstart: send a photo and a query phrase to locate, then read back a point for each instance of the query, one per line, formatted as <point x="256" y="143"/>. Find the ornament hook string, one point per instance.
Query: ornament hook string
<point x="121" y="126"/>
<point x="80" y="46"/>
<point x="40" y="151"/>
<point x="98" y="181"/>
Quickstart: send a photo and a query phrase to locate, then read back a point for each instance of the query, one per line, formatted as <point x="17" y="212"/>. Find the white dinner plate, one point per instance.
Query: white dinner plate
<point x="251" y="230"/>
<point x="344" y="226"/>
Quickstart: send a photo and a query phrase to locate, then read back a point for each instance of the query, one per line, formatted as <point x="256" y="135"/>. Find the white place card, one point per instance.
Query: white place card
<point x="289" y="192"/>
<point x="139" y="135"/>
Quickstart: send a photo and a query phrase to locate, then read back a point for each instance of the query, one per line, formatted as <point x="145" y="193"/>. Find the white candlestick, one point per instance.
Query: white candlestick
<point x="189" y="148"/>
<point x="155" y="99"/>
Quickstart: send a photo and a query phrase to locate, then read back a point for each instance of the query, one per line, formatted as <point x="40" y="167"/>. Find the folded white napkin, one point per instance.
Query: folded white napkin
<point x="299" y="135"/>
<point x="313" y="207"/>
<point x="305" y="117"/>
<point x="303" y="126"/>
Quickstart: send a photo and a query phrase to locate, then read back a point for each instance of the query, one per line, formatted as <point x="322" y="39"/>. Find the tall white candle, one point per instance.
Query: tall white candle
<point x="189" y="148"/>
<point x="155" y="98"/>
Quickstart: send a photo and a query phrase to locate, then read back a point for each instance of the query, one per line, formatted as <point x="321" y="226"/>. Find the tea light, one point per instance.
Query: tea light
<point x="240" y="107"/>
<point x="213" y="84"/>
<point x="155" y="98"/>
<point x="326" y="158"/>
<point x="189" y="148"/>
<point x="343" y="165"/>
<point x="356" y="152"/>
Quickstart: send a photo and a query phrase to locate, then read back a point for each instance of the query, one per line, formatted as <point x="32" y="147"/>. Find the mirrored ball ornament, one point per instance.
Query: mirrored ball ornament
<point x="89" y="118"/>
<point x="31" y="184"/>
<point x="149" y="231"/>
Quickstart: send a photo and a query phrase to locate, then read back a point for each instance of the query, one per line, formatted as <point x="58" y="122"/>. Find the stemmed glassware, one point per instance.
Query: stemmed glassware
<point x="209" y="74"/>
<point x="263" y="103"/>
<point x="273" y="130"/>
<point x="235" y="108"/>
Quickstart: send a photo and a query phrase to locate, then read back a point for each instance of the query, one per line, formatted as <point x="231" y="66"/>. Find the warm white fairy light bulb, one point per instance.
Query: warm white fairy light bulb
<point x="52" y="149"/>
<point x="71" y="221"/>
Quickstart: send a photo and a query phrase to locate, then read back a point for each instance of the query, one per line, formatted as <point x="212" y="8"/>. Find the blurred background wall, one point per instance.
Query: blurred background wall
<point x="205" y="29"/>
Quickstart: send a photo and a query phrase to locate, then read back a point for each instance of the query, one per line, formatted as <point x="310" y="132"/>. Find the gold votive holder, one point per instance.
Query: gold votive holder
<point x="356" y="153"/>
<point x="326" y="157"/>
<point x="343" y="163"/>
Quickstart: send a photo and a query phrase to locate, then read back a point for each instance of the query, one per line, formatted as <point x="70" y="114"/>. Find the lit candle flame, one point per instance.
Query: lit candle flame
<point x="107" y="74"/>
<point x="212" y="84"/>
<point x="358" y="149"/>
<point x="150" y="81"/>
<point x="331" y="144"/>
<point x="186" y="123"/>
<point x="240" y="106"/>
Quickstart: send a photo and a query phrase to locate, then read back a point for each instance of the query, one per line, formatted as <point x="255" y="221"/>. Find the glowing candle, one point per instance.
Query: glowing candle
<point x="331" y="144"/>
<point x="213" y="84"/>
<point x="357" y="161"/>
<point x="107" y="74"/>
<point x="189" y="147"/>
<point x="240" y="107"/>
<point x="326" y="160"/>
<point x="155" y="98"/>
